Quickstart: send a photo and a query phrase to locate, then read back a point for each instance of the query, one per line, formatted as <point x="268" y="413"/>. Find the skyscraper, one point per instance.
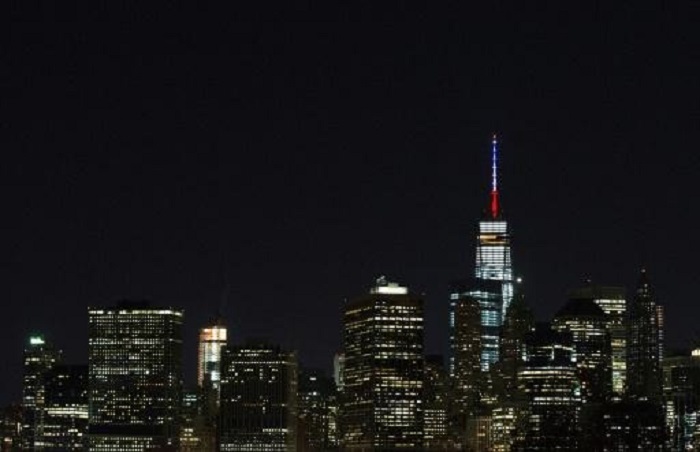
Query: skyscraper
<point x="317" y="411"/>
<point x="493" y="258"/>
<point x="681" y="386"/>
<point x="383" y="384"/>
<point x="258" y="399"/>
<point x="588" y="326"/>
<point x="40" y="357"/>
<point x="436" y="398"/>
<point x="549" y="383"/>
<point x="613" y="302"/>
<point x="212" y="339"/>
<point x="66" y="409"/>
<point x="644" y="378"/>
<point x="135" y="377"/>
<point x="493" y="263"/>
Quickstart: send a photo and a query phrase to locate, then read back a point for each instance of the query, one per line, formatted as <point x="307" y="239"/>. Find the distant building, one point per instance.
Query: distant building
<point x="548" y="379"/>
<point x="471" y="301"/>
<point x="681" y="391"/>
<point x="510" y="403"/>
<point x="212" y="340"/>
<point x="339" y="370"/>
<point x="40" y="357"/>
<point x="383" y="385"/>
<point x="493" y="256"/>
<point x="645" y="346"/>
<point x="258" y="409"/>
<point x="11" y="428"/>
<point x="135" y="377"/>
<point x="436" y="403"/>
<point x="630" y="426"/>
<point x="66" y="409"/>
<point x="613" y="302"/>
<point x="318" y="409"/>
<point x="588" y="326"/>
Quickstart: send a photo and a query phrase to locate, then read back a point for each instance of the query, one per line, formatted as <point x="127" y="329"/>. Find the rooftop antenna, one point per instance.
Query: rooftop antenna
<point x="495" y="208"/>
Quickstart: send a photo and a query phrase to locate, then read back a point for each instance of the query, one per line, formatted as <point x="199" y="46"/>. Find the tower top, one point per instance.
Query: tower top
<point x="495" y="207"/>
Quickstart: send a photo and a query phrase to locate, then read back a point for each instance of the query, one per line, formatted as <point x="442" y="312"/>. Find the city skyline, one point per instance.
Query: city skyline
<point x="292" y="158"/>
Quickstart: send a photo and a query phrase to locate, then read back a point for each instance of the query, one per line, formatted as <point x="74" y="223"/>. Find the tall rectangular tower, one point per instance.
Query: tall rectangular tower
<point x="382" y="398"/>
<point x="613" y="302"/>
<point x="39" y="358"/>
<point x="134" y="377"/>
<point x="258" y="399"/>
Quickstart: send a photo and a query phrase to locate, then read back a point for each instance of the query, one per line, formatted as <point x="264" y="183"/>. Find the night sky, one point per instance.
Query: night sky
<point x="280" y="158"/>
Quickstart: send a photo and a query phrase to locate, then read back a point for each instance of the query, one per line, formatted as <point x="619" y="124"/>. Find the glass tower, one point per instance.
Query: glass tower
<point x="212" y="339"/>
<point x="493" y="259"/>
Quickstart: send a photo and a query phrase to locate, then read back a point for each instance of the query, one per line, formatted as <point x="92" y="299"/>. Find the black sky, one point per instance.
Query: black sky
<point x="297" y="152"/>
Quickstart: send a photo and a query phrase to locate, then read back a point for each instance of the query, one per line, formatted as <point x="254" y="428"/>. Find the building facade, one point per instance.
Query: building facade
<point x="134" y="377"/>
<point x="383" y="378"/>
<point x="66" y="409"/>
<point x="613" y="301"/>
<point x="40" y="357"/>
<point x="258" y="409"/>
<point x="645" y="346"/>
<point x="588" y="326"/>
<point x="548" y="380"/>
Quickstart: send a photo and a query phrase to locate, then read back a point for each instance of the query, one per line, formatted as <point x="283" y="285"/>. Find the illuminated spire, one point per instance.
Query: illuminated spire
<point x="495" y="208"/>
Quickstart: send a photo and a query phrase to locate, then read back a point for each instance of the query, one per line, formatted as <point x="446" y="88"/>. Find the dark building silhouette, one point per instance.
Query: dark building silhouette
<point x="470" y="301"/>
<point x="548" y="380"/>
<point x="645" y="344"/>
<point x="318" y="409"/>
<point x="40" y="357"/>
<point x="383" y="374"/>
<point x="66" y="409"/>
<point x="628" y="426"/>
<point x="681" y="391"/>
<point x="510" y="404"/>
<point x="135" y="377"/>
<point x="436" y="402"/>
<point x="258" y="409"/>
<point x="11" y="428"/>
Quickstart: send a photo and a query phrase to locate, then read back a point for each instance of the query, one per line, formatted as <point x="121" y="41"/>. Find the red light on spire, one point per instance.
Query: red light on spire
<point x="494" y="204"/>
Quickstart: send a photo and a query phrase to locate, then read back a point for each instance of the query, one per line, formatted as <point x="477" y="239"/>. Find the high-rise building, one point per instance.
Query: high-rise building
<point x="11" y="428"/>
<point x="66" y="409"/>
<point x="436" y="400"/>
<point x="613" y="302"/>
<point x="681" y="388"/>
<point x="212" y="339"/>
<point x="510" y="404"/>
<point x="493" y="257"/>
<point x="135" y="377"/>
<point x="40" y="357"/>
<point x="467" y="347"/>
<point x="629" y="426"/>
<point x="644" y="378"/>
<point x="493" y="264"/>
<point x="588" y="326"/>
<point x="549" y="382"/>
<point x="383" y="385"/>
<point x="317" y="410"/>
<point x="258" y="409"/>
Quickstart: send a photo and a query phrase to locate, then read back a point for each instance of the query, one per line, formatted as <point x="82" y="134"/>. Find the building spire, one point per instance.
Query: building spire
<point x="495" y="208"/>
